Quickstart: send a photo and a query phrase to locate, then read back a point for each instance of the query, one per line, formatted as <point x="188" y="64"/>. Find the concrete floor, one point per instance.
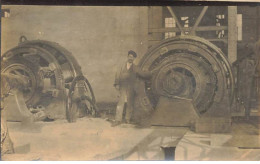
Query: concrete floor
<point x="95" y="139"/>
<point x="242" y="144"/>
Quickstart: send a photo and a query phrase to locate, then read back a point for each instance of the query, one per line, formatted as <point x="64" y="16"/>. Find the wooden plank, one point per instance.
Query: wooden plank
<point x="218" y="40"/>
<point x="176" y="29"/>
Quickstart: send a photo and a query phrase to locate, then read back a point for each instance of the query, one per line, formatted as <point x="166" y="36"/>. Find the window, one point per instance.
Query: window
<point x="219" y="21"/>
<point x="5" y="13"/>
<point x="169" y="22"/>
<point x="186" y="23"/>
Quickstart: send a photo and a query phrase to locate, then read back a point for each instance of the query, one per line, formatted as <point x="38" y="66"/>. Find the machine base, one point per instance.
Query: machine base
<point x="174" y="112"/>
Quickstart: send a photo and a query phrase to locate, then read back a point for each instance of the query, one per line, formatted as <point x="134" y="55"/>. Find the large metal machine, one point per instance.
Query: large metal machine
<point x="229" y="29"/>
<point x="188" y="67"/>
<point x="50" y="70"/>
<point x="196" y="71"/>
<point x="198" y="63"/>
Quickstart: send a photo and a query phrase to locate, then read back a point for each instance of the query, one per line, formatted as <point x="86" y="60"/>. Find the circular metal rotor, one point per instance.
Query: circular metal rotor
<point x="50" y="68"/>
<point x="25" y="69"/>
<point x="188" y="67"/>
<point x="80" y="95"/>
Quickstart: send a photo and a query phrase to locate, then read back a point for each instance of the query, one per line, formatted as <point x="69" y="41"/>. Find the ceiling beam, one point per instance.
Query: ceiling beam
<point x="186" y="29"/>
<point x="202" y="13"/>
<point x="176" y="19"/>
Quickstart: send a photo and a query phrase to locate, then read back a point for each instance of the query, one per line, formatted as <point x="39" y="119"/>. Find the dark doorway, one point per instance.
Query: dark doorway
<point x="169" y="153"/>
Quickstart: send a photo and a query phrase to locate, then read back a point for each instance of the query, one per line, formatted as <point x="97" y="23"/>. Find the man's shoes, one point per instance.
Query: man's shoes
<point x="116" y="123"/>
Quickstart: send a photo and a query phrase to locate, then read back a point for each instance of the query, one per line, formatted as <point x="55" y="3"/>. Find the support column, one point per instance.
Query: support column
<point x="232" y="33"/>
<point x="258" y="22"/>
<point x="155" y="21"/>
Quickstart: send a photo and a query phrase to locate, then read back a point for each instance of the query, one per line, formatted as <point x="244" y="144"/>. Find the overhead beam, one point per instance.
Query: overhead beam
<point x="218" y="40"/>
<point x="176" y="20"/>
<point x="185" y="29"/>
<point x="202" y="13"/>
<point x="209" y="39"/>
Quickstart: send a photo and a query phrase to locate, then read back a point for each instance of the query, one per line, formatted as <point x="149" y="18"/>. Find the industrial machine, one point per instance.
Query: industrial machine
<point x="192" y="68"/>
<point x="203" y="74"/>
<point x="189" y="68"/>
<point x="50" y="70"/>
<point x="203" y="71"/>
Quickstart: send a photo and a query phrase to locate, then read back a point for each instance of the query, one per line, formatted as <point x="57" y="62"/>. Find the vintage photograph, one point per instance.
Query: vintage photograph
<point x="91" y="83"/>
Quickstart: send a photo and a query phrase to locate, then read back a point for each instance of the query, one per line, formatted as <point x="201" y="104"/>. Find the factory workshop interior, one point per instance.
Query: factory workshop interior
<point x="84" y="83"/>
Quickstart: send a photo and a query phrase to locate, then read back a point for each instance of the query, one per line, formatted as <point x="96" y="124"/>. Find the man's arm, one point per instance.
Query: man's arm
<point x="117" y="77"/>
<point x="143" y="74"/>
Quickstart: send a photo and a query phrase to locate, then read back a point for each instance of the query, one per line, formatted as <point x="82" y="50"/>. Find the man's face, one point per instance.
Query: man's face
<point x="131" y="58"/>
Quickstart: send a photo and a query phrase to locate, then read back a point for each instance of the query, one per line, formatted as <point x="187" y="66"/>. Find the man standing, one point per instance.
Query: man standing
<point x="125" y="82"/>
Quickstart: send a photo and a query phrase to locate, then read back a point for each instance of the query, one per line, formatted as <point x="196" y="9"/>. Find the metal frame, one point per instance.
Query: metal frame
<point x="231" y="40"/>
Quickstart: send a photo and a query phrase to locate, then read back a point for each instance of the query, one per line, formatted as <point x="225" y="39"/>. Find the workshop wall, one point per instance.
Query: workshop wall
<point x="99" y="37"/>
<point x="250" y="18"/>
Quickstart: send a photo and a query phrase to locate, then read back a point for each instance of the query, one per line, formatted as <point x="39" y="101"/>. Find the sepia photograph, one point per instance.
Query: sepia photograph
<point x="177" y="82"/>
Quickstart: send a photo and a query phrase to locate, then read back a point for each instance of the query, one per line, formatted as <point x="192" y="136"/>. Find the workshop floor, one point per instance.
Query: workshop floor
<point x="95" y="139"/>
<point x="242" y="144"/>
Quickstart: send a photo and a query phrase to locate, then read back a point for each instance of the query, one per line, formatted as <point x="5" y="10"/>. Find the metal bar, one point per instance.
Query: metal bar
<point x="232" y="33"/>
<point x="202" y="13"/>
<point x="154" y="39"/>
<point x="176" y="29"/>
<point x="176" y="19"/>
<point x="209" y="39"/>
<point x="218" y="40"/>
